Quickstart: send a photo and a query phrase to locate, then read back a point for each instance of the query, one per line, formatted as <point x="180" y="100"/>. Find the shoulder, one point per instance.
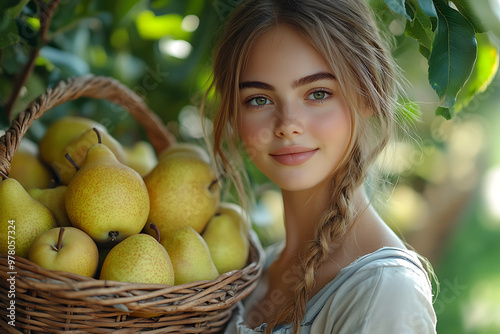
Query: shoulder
<point x="387" y="291"/>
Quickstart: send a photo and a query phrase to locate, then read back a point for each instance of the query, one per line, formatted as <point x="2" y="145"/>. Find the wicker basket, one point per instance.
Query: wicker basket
<point x="51" y="302"/>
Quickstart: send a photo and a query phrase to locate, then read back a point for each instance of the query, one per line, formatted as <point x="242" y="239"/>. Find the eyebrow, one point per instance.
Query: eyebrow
<point x="313" y="78"/>
<point x="297" y="83"/>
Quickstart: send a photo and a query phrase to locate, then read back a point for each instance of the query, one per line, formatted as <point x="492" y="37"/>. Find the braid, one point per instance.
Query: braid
<point x="335" y="224"/>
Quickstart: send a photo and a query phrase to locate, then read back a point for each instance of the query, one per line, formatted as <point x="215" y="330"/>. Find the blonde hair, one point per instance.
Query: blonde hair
<point x="344" y="32"/>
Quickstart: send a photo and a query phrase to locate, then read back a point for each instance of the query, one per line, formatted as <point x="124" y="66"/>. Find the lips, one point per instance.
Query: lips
<point x="293" y="155"/>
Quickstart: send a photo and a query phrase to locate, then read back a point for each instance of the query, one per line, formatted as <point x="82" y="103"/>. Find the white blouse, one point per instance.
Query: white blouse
<point x="384" y="292"/>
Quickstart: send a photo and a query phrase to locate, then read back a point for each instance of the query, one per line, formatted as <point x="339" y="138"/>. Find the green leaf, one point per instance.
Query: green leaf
<point x="484" y="71"/>
<point x="9" y="33"/>
<point x="398" y="6"/>
<point x="427" y="7"/>
<point x="18" y="8"/>
<point x="452" y="55"/>
<point x="445" y="112"/>
<point x="424" y="51"/>
<point x="420" y="29"/>
<point x="466" y="9"/>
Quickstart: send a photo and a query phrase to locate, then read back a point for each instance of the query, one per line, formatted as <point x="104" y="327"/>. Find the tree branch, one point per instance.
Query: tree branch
<point x="47" y="11"/>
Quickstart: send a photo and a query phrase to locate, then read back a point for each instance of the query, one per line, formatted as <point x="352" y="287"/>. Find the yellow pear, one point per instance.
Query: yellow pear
<point x="237" y="214"/>
<point x="27" y="168"/>
<point x="183" y="191"/>
<point x="107" y="199"/>
<point x="53" y="198"/>
<point x="60" y="132"/>
<point x="226" y="236"/>
<point x="77" y="148"/>
<point x="22" y="218"/>
<point x="141" y="157"/>
<point x="190" y="257"/>
<point x="185" y="149"/>
<point x="65" y="249"/>
<point x="139" y="258"/>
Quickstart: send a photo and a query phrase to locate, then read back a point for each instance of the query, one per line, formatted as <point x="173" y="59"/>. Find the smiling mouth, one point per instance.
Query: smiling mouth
<point x="293" y="157"/>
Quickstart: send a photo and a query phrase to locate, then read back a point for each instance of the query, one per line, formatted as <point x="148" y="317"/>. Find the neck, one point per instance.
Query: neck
<point x="303" y="211"/>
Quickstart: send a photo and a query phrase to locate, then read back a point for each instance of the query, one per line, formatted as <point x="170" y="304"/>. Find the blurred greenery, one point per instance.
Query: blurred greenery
<point x="445" y="197"/>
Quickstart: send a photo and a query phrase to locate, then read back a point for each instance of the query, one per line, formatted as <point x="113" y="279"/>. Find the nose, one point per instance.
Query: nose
<point x="288" y="123"/>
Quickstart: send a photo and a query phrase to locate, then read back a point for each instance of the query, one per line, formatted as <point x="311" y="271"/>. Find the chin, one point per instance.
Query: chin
<point x="296" y="185"/>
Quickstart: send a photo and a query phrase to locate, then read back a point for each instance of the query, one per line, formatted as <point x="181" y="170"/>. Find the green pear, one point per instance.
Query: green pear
<point x="183" y="191"/>
<point x="185" y="149"/>
<point x="190" y="257"/>
<point x="139" y="258"/>
<point x="107" y="199"/>
<point x="77" y="148"/>
<point x="59" y="134"/>
<point x="53" y="198"/>
<point x="141" y="157"/>
<point x="65" y="249"/>
<point x="227" y="238"/>
<point x="27" y="168"/>
<point x="22" y="218"/>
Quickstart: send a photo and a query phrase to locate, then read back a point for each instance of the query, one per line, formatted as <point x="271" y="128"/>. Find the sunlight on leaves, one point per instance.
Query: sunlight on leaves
<point x="484" y="71"/>
<point x="155" y="27"/>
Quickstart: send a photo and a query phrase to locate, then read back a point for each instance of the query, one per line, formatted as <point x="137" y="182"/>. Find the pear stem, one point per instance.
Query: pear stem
<point x="113" y="235"/>
<point x="59" y="240"/>
<point x="98" y="135"/>
<point x="52" y="184"/>
<point x="3" y="175"/>
<point x="214" y="182"/>
<point x="70" y="159"/>
<point x="156" y="229"/>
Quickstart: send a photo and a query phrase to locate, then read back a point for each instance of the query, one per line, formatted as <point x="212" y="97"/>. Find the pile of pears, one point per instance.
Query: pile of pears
<point x="119" y="213"/>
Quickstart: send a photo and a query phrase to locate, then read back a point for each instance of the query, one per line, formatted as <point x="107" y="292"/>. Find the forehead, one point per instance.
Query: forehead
<point x="282" y="52"/>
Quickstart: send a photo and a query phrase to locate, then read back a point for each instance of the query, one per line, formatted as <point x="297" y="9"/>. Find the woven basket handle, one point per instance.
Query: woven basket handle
<point x="91" y="86"/>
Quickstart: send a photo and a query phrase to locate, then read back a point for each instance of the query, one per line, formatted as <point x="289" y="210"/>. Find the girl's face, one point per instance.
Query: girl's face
<point x="293" y="119"/>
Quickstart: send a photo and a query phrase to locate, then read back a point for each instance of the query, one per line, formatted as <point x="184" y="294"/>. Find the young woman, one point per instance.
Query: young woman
<point x="309" y="89"/>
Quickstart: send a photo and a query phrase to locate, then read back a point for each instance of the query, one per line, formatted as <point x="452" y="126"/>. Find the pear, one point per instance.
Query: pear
<point x="107" y="199"/>
<point x="141" y="157"/>
<point x="139" y="258"/>
<point x="60" y="132"/>
<point x="27" y="168"/>
<point x="77" y="148"/>
<point x="226" y="236"/>
<point x="22" y="218"/>
<point x="65" y="249"/>
<point x="53" y="198"/>
<point x="183" y="191"/>
<point x="185" y="149"/>
<point x="190" y="257"/>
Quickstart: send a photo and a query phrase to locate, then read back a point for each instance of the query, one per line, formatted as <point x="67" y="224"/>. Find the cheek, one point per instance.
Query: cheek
<point x="333" y="130"/>
<point x="255" y="134"/>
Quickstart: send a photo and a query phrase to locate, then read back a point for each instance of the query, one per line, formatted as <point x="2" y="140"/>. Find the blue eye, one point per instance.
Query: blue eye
<point x="259" y="101"/>
<point x="318" y="95"/>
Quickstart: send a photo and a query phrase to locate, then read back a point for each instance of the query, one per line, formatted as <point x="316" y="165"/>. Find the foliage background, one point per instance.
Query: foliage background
<point x="445" y="199"/>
